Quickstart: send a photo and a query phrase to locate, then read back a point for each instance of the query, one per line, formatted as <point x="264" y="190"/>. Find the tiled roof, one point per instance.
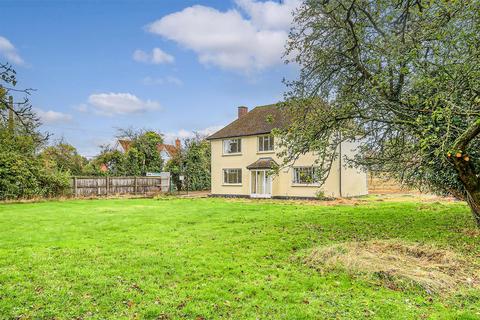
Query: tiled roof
<point x="170" y="148"/>
<point x="260" y="120"/>
<point x="126" y="144"/>
<point x="263" y="163"/>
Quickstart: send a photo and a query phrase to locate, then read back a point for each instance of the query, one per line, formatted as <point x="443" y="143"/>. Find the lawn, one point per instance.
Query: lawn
<point x="217" y="259"/>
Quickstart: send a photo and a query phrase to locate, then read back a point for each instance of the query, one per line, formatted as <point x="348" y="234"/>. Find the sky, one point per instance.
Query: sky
<point x="167" y="65"/>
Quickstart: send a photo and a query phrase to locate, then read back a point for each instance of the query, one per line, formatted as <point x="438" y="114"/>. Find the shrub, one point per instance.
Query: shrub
<point x="54" y="184"/>
<point x="22" y="176"/>
<point x="18" y="176"/>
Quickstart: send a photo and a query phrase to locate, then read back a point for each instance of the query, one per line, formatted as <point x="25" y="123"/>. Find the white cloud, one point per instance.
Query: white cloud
<point x="83" y="107"/>
<point x="158" y="56"/>
<point x="149" y="81"/>
<point x="50" y="116"/>
<point x="9" y="52"/>
<point x="270" y="14"/>
<point x="120" y="103"/>
<point x="228" y="39"/>
<point x="183" y="134"/>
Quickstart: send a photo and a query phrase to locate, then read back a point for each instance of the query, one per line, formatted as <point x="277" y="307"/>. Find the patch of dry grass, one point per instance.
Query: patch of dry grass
<point x="435" y="270"/>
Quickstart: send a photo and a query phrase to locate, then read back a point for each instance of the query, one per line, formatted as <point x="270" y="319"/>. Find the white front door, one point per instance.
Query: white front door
<point x="261" y="184"/>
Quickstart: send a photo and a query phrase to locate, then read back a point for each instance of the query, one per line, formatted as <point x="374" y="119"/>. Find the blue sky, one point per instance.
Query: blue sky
<point x="170" y="65"/>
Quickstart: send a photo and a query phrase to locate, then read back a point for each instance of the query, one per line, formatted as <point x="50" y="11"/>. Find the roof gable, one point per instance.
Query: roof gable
<point x="260" y="120"/>
<point x="168" y="148"/>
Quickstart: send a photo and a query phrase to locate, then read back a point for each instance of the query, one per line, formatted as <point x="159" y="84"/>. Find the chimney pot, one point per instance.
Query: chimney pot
<point x="242" y="110"/>
<point x="177" y="143"/>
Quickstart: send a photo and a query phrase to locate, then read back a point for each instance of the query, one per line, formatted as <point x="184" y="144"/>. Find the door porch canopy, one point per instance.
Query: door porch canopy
<point x="263" y="163"/>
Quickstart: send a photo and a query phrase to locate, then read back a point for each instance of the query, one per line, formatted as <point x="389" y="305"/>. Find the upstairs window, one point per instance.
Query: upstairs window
<point x="232" y="176"/>
<point x="232" y="146"/>
<point x="304" y="175"/>
<point x="265" y="143"/>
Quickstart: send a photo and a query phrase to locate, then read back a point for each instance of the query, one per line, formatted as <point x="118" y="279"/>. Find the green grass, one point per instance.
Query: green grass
<point x="215" y="259"/>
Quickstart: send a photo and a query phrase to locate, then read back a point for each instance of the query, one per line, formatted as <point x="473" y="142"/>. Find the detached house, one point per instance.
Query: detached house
<point x="244" y="151"/>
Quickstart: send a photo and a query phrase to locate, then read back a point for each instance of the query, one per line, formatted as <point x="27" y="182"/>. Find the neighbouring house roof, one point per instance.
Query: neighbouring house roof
<point x="169" y="148"/>
<point x="263" y="163"/>
<point x="260" y="120"/>
<point x="126" y="144"/>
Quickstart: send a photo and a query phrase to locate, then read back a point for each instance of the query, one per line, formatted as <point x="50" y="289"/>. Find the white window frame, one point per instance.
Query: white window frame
<point x="224" y="149"/>
<point x="239" y="177"/>
<point x="271" y="142"/>
<point x="296" y="182"/>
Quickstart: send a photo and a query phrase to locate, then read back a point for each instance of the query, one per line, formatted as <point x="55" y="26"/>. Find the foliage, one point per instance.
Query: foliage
<point x="401" y="76"/>
<point x="147" y="146"/>
<point x="193" y="162"/>
<point x="16" y="112"/>
<point x="112" y="159"/>
<point x="141" y="156"/>
<point x="23" y="173"/>
<point x="54" y="183"/>
<point x="134" y="162"/>
<point x="218" y="259"/>
<point x="175" y="167"/>
<point x="63" y="157"/>
<point x="23" y="176"/>
<point x="197" y="161"/>
<point x="18" y="176"/>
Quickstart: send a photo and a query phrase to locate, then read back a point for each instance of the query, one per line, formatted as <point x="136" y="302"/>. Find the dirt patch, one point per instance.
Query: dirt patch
<point x="355" y="201"/>
<point x="472" y="233"/>
<point x="396" y="264"/>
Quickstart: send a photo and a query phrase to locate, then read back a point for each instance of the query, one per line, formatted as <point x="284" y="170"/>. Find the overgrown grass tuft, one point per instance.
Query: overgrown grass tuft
<point x="400" y="265"/>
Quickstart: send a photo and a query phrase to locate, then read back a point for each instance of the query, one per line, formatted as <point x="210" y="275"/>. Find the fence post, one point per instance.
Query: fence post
<point x="107" y="185"/>
<point x="135" y="186"/>
<point x="75" y="186"/>
<point x="98" y="186"/>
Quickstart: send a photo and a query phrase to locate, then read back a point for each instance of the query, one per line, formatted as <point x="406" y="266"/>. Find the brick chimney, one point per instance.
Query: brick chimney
<point x="177" y="143"/>
<point x="242" y="110"/>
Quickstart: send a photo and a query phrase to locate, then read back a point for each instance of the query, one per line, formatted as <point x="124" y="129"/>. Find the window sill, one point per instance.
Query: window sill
<point x="265" y="152"/>
<point x="232" y="184"/>
<point x="231" y="154"/>
<point x="305" y="184"/>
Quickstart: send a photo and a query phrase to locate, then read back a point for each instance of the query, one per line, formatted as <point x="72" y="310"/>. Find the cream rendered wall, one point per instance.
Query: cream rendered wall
<point x="282" y="184"/>
<point x="354" y="181"/>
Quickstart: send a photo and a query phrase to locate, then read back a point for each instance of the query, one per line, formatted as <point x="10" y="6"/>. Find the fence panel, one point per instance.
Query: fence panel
<point x="100" y="186"/>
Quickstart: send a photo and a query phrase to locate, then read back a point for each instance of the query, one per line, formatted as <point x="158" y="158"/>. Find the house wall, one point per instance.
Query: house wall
<point x="282" y="185"/>
<point x="354" y="181"/>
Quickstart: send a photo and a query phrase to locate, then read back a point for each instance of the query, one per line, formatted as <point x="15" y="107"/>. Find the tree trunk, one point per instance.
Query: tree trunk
<point x="473" y="201"/>
<point x="471" y="183"/>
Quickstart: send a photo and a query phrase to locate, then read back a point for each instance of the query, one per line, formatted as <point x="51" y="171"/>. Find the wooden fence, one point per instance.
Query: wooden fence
<point x="104" y="186"/>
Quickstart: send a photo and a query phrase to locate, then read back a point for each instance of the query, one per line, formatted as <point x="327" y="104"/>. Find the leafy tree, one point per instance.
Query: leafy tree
<point x="193" y="162"/>
<point x="113" y="160"/>
<point x="20" y="111"/>
<point x="147" y="144"/>
<point x="22" y="173"/>
<point x="134" y="162"/>
<point x="141" y="156"/>
<point x="175" y="166"/>
<point x="401" y="75"/>
<point x="197" y="163"/>
<point x="18" y="176"/>
<point x="63" y="157"/>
